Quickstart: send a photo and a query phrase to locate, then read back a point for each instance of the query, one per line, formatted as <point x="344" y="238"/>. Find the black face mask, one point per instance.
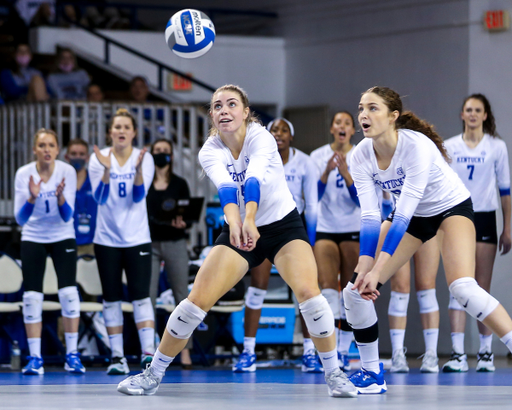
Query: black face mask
<point x="161" y="160"/>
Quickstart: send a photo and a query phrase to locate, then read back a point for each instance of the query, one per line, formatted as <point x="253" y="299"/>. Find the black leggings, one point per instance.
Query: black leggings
<point x="33" y="262"/>
<point x="135" y="261"/>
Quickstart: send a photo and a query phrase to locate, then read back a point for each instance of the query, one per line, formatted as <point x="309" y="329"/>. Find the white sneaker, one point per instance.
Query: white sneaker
<point x="142" y="384"/>
<point x="339" y="385"/>
<point x="399" y="362"/>
<point x="458" y="363"/>
<point x="485" y="362"/>
<point x="430" y="362"/>
<point x="118" y="365"/>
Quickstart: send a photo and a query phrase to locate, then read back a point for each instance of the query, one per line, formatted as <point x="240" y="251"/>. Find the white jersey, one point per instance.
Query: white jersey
<point x="302" y="179"/>
<point x="121" y="222"/>
<point x="480" y="168"/>
<point x="258" y="158"/>
<point x="45" y="225"/>
<point x="421" y="181"/>
<point x="337" y="211"/>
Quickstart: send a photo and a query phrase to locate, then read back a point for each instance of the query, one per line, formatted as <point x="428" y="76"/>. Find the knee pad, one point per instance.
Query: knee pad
<point x="32" y="307"/>
<point x="112" y="313"/>
<point x="143" y="310"/>
<point x="343" y="315"/>
<point x="453" y="304"/>
<point x="333" y="298"/>
<point x="70" y="302"/>
<point x="427" y="300"/>
<point x="184" y="319"/>
<point x="254" y="298"/>
<point x="475" y="301"/>
<point x="318" y="316"/>
<point x="360" y="313"/>
<point x="398" y="303"/>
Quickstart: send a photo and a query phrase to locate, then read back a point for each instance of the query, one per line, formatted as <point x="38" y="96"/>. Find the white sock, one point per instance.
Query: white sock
<point x="147" y="340"/>
<point x="507" y="339"/>
<point x="344" y="341"/>
<point x="485" y="344"/>
<point x="369" y="353"/>
<point x="249" y="344"/>
<point x="116" y="345"/>
<point x="308" y="345"/>
<point x="160" y="363"/>
<point x="329" y="360"/>
<point x="458" y="342"/>
<point x="397" y="339"/>
<point x="431" y="337"/>
<point x="71" y="342"/>
<point x="34" y="346"/>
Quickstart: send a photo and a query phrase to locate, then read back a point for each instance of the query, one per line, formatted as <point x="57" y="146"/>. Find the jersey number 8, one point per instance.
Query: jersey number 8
<point x="122" y="189"/>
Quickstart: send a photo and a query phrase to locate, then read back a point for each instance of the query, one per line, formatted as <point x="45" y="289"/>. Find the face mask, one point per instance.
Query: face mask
<point x="161" y="160"/>
<point x="67" y="68"/>
<point x="23" y="60"/>
<point x="77" y="163"/>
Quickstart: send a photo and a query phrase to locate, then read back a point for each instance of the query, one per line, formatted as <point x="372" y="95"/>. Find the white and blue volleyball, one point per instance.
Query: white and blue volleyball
<point x="190" y="33"/>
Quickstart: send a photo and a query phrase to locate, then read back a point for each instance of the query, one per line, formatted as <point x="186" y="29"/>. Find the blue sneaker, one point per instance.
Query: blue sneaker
<point x="74" y="364"/>
<point x="369" y="382"/>
<point x="33" y="367"/>
<point x="311" y="363"/>
<point x="246" y="363"/>
<point x="343" y="361"/>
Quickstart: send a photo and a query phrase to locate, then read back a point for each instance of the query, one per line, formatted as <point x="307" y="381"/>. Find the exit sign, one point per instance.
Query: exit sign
<point x="496" y="20"/>
<point x="178" y="83"/>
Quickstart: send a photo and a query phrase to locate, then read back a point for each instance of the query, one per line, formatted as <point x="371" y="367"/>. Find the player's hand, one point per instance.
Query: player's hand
<point x="178" y="223"/>
<point x="138" y="166"/>
<point x="367" y="285"/>
<point x="505" y="243"/>
<point x="34" y="188"/>
<point x="235" y="234"/>
<point x="250" y="235"/>
<point x="342" y="164"/>
<point x="332" y="163"/>
<point x="104" y="160"/>
<point x="59" y="192"/>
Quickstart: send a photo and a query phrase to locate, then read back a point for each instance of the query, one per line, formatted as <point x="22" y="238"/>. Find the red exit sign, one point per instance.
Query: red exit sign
<point x="178" y="83"/>
<point x="496" y="20"/>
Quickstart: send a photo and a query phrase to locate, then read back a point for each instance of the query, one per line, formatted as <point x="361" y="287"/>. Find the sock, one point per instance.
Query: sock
<point x="507" y="339"/>
<point x="485" y="344"/>
<point x="369" y="353"/>
<point x="308" y="345"/>
<point x="249" y="344"/>
<point x="71" y="342"/>
<point x="458" y="343"/>
<point x="116" y="345"/>
<point x="34" y="346"/>
<point x="160" y="363"/>
<point x="344" y="341"/>
<point x="329" y="361"/>
<point x="147" y="340"/>
<point x="397" y="339"/>
<point x="431" y="336"/>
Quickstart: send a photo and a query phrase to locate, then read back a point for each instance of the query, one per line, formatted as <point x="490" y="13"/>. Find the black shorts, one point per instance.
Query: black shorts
<point x="272" y="238"/>
<point x="33" y="262"/>
<point x="486" y="229"/>
<point x="425" y="228"/>
<point x="338" y="237"/>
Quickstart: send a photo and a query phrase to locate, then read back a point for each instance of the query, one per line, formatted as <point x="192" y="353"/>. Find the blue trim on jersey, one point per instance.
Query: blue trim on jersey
<point x="321" y="189"/>
<point x="101" y="193"/>
<point x="505" y="192"/>
<point x="353" y="194"/>
<point x="24" y="213"/>
<point x="369" y="236"/>
<point x="138" y="193"/>
<point x="311" y="230"/>
<point x="395" y="233"/>
<point x="252" y="190"/>
<point x="65" y="212"/>
<point x="387" y="208"/>
<point x="227" y="195"/>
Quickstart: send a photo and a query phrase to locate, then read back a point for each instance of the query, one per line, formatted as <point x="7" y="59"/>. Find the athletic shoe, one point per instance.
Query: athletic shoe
<point x="485" y="362"/>
<point x="343" y="361"/>
<point x="246" y="363"/>
<point x="118" y="365"/>
<point x="34" y="366"/>
<point x="145" y="359"/>
<point x="458" y="363"/>
<point x="143" y="384"/>
<point x="311" y="363"/>
<point x="399" y="362"/>
<point x="74" y="364"/>
<point x="430" y="362"/>
<point x="369" y="382"/>
<point x="339" y="385"/>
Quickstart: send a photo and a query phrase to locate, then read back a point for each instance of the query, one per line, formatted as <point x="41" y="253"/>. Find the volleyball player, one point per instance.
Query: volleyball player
<point x="480" y="158"/>
<point x="337" y="239"/>
<point x="404" y="155"/>
<point x="301" y="178"/>
<point x="120" y="179"/>
<point x="262" y="222"/>
<point x="43" y="205"/>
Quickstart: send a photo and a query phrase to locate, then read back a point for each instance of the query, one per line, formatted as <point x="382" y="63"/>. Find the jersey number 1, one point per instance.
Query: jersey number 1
<point x="47" y="203"/>
<point x="471" y="170"/>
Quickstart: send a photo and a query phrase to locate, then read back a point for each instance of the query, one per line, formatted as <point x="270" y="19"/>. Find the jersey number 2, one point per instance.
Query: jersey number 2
<point x="122" y="189"/>
<point x="471" y="170"/>
<point x="339" y="181"/>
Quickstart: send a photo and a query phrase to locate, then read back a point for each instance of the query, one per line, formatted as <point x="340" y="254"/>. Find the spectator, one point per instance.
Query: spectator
<point x="95" y="93"/>
<point x="68" y="81"/>
<point x="139" y="89"/>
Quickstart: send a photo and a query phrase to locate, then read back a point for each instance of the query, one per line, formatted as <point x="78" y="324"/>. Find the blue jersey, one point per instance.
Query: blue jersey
<point x="86" y="209"/>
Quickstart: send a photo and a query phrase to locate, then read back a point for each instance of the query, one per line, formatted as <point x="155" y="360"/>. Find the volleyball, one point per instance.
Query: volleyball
<point x="190" y="33"/>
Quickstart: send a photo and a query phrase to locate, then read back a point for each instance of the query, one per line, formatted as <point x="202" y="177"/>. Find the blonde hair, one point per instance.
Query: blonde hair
<point x="123" y="112"/>
<point x="41" y="131"/>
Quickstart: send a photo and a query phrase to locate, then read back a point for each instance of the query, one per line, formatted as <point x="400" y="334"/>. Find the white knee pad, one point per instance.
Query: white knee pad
<point x="32" y="307"/>
<point x="360" y="313"/>
<point x="453" y="304"/>
<point x="398" y="303"/>
<point x="143" y="310"/>
<point x="112" y="313"/>
<point x="427" y="300"/>
<point x="184" y="319"/>
<point x="254" y="297"/>
<point x="70" y="302"/>
<point x="343" y="315"/>
<point x="333" y="298"/>
<point x="318" y="316"/>
<point x="475" y="301"/>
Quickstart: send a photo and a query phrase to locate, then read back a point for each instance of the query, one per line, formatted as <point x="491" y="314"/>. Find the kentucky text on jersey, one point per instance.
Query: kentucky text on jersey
<point x="46" y="194"/>
<point x="478" y="160"/>
<point x="392" y="183"/>
<point x="131" y="175"/>
<point x="237" y="177"/>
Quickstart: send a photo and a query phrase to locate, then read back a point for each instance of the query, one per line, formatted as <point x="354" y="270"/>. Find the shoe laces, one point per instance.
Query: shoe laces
<point x="457" y="356"/>
<point x="429" y="358"/>
<point x="34" y="360"/>
<point x="337" y="377"/>
<point x="485" y="357"/>
<point x="147" y="377"/>
<point x="245" y="357"/>
<point x="398" y="357"/>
